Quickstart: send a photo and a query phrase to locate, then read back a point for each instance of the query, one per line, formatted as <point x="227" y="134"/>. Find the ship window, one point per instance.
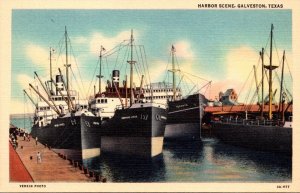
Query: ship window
<point x="98" y="101"/>
<point x="105" y="100"/>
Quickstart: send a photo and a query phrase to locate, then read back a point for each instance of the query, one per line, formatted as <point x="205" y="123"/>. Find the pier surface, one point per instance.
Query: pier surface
<point x="52" y="167"/>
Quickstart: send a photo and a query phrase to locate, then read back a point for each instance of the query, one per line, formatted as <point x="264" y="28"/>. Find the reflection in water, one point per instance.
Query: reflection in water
<point x="129" y="169"/>
<point x="208" y="161"/>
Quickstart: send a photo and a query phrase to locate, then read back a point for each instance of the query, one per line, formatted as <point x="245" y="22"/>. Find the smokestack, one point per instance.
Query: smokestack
<point x="116" y="77"/>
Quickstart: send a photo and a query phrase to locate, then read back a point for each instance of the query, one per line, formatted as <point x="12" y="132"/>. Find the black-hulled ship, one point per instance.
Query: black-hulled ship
<point x="258" y="129"/>
<point x="184" y="114"/>
<point x="62" y="121"/>
<point x="137" y="130"/>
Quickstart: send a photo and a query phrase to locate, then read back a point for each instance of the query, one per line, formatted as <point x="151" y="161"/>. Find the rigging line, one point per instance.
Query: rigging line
<point x="167" y="74"/>
<point x="187" y="84"/>
<point x="93" y="77"/>
<point x="116" y="61"/>
<point x="137" y="63"/>
<point x="76" y="63"/>
<point x="245" y="83"/>
<point x="76" y="81"/>
<point x="115" y="49"/>
<point x="147" y="66"/>
<point x="249" y="92"/>
<point x="195" y="76"/>
<point x="289" y="68"/>
<point x="107" y="67"/>
<point x="125" y="58"/>
<point x="142" y="64"/>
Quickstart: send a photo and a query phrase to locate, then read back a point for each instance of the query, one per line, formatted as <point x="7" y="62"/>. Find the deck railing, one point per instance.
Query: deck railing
<point x="250" y="121"/>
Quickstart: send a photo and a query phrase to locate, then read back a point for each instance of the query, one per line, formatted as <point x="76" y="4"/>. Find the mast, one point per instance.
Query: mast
<point x="51" y="68"/>
<point x="100" y="74"/>
<point x="131" y="62"/>
<point x="281" y="85"/>
<point x="67" y="65"/>
<point x="141" y="85"/>
<point x="262" y="82"/>
<point x="173" y="72"/>
<point x="270" y="68"/>
<point x="255" y="76"/>
<point x="70" y="106"/>
<point x="126" y="94"/>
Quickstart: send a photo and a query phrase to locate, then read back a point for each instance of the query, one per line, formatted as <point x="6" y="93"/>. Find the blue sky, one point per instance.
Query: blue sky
<point x="221" y="46"/>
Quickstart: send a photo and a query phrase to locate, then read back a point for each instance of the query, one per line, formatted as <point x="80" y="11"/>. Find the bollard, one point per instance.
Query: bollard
<point x="30" y="157"/>
<point x="22" y="147"/>
<point x="85" y="170"/>
<point x="97" y="177"/>
<point x="91" y="174"/>
<point x="71" y="162"/>
<point x="104" y="180"/>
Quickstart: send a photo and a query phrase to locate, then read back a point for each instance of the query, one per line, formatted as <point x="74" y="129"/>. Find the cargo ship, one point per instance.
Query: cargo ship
<point x="62" y="121"/>
<point x="135" y="129"/>
<point x="184" y="114"/>
<point x="264" y="126"/>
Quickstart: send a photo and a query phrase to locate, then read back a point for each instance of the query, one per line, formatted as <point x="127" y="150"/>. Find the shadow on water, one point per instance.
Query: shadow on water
<point x="119" y="168"/>
<point x="185" y="150"/>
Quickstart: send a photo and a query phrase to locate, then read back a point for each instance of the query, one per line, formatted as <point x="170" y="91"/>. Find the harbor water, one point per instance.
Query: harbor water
<point x="208" y="161"/>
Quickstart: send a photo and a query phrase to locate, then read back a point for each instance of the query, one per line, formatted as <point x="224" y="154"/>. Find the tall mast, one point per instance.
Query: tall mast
<point x="255" y="76"/>
<point x="173" y="72"/>
<point x="281" y="85"/>
<point x="100" y="74"/>
<point x="131" y="62"/>
<point x="51" y="68"/>
<point x="67" y="65"/>
<point x="262" y="82"/>
<point x="270" y="68"/>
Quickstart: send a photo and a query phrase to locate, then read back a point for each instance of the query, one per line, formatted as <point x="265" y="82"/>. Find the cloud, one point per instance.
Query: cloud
<point x="183" y="49"/>
<point x="239" y="63"/>
<point x="80" y="40"/>
<point x="98" y="39"/>
<point x="38" y="55"/>
<point x="24" y="80"/>
<point x="17" y="106"/>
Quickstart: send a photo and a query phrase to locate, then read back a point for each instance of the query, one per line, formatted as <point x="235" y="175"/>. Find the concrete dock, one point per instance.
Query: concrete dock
<point x="52" y="168"/>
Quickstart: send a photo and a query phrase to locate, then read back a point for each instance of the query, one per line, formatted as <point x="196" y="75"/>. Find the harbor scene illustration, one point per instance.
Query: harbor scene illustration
<point x="117" y="96"/>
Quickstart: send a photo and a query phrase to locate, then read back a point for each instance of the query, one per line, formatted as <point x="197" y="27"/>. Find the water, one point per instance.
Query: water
<point x="22" y="123"/>
<point x="209" y="161"/>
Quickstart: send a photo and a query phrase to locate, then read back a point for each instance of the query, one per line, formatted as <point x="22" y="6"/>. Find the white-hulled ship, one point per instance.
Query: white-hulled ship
<point x="63" y="122"/>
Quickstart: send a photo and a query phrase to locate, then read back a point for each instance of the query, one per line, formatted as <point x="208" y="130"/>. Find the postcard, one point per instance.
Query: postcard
<point x="149" y="96"/>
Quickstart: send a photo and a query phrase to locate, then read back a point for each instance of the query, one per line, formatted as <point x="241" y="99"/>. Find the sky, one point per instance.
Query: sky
<point x="219" y="46"/>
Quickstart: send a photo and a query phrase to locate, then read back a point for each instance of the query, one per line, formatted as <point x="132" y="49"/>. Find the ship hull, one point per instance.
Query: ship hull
<point x="263" y="138"/>
<point x="185" y="118"/>
<point x="77" y="137"/>
<point x="135" y="132"/>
